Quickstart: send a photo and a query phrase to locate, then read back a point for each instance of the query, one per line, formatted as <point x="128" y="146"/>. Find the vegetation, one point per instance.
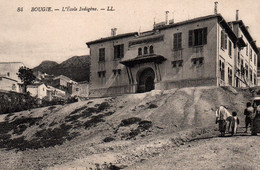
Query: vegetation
<point x="26" y="76"/>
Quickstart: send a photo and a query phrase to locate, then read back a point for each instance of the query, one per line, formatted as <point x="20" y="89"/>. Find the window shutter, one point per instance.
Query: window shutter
<point x="180" y="40"/>
<point x="175" y="41"/>
<point x="205" y="31"/>
<point x="225" y="40"/>
<point x="190" y="38"/>
<point x="122" y="51"/>
<point x="222" y="39"/>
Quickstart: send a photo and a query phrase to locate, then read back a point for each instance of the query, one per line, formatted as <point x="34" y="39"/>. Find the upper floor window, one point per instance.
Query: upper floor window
<point x="145" y="50"/>
<point x="198" y="37"/>
<point x="151" y="49"/>
<point x="118" y="51"/>
<point x="255" y="59"/>
<point x="238" y="57"/>
<point x="250" y="54"/>
<point x="229" y="48"/>
<point x="8" y="74"/>
<point x="177" y="41"/>
<point x="102" y="54"/>
<point x="140" y="51"/>
<point x="223" y="40"/>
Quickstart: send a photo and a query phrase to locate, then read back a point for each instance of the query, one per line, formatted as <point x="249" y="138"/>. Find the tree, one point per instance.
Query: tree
<point x="26" y="76"/>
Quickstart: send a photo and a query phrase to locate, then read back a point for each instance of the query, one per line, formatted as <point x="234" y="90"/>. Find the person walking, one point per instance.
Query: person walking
<point x="234" y="123"/>
<point x="222" y="117"/>
<point x="248" y="112"/>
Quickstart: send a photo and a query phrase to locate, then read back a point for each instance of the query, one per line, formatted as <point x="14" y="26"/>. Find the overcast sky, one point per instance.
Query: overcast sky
<point x="31" y="37"/>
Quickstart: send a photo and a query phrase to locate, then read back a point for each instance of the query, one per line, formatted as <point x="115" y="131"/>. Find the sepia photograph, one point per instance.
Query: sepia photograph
<point x="133" y="85"/>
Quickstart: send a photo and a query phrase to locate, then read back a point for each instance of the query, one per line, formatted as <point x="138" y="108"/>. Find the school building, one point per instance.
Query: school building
<point x="204" y="51"/>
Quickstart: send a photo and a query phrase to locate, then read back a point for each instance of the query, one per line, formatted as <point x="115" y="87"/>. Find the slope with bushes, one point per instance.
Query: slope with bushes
<point x="121" y="130"/>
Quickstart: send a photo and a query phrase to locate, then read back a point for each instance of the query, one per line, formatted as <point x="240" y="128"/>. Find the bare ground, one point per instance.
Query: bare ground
<point x="172" y="129"/>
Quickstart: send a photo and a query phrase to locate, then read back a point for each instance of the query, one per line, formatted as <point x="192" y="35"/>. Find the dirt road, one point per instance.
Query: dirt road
<point x="237" y="152"/>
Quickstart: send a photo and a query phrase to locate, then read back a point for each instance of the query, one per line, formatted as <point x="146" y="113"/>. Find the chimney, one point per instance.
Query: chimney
<point x="216" y="8"/>
<point x="113" y="31"/>
<point x="237" y="15"/>
<point x="166" y="17"/>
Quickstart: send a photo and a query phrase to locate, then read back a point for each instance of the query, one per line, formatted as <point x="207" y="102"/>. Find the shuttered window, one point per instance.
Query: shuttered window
<point x="177" y="41"/>
<point x="223" y="40"/>
<point x="230" y="49"/>
<point x="118" y="51"/>
<point x="102" y="54"/>
<point x="198" y="37"/>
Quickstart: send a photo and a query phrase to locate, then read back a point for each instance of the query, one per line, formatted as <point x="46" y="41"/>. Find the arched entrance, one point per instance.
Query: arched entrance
<point x="146" y="80"/>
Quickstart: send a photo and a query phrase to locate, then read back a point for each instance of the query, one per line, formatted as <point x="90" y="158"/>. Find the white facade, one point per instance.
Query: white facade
<point x="37" y="90"/>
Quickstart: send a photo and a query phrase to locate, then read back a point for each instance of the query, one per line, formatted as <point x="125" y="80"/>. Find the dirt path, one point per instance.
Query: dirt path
<point x="237" y="152"/>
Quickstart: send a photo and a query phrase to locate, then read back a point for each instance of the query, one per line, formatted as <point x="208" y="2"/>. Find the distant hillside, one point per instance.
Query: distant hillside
<point x="76" y="68"/>
<point x="45" y="66"/>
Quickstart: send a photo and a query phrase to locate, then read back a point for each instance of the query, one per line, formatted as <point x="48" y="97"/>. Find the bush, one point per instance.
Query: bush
<point x="108" y="139"/>
<point x="130" y="121"/>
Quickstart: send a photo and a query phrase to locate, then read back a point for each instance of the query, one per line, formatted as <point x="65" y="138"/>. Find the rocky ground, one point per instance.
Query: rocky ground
<point x="172" y="129"/>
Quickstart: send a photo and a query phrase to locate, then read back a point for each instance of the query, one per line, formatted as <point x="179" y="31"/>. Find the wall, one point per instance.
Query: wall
<point x="9" y="85"/>
<point x="42" y="91"/>
<point x="33" y="91"/>
<point x="11" y="68"/>
<point x="80" y="90"/>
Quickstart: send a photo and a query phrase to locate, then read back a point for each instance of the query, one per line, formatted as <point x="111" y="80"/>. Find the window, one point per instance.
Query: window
<point x="197" y="61"/>
<point x="102" y="54"/>
<point x="230" y="48"/>
<point x="197" y="37"/>
<point x="117" y="71"/>
<point x="255" y="79"/>
<point x="246" y="70"/>
<point x="177" y="63"/>
<point x="118" y="51"/>
<point x="250" y="54"/>
<point x="177" y="41"/>
<point x="255" y="59"/>
<point x="101" y="73"/>
<point x="151" y="49"/>
<point x="8" y="74"/>
<point x="251" y="75"/>
<point x="145" y="50"/>
<point x="238" y="57"/>
<point x="77" y="89"/>
<point x="223" y="40"/>
<point x="222" y="70"/>
<point x="140" y="51"/>
<point x="230" y="76"/>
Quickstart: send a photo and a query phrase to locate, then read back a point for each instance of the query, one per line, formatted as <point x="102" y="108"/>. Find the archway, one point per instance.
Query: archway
<point x="146" y="80"/>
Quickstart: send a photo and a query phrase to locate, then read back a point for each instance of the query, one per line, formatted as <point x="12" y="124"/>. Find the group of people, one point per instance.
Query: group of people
<point x="224" y="117"/>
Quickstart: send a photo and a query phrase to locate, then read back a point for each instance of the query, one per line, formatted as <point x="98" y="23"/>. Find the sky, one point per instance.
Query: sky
<point x="32" y="37"/>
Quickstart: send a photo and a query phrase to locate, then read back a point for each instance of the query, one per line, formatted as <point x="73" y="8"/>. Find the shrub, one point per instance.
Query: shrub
<point x="129" y="121"/>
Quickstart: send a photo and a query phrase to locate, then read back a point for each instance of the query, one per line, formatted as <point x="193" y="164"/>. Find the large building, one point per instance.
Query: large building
<point x="205" y="51"/>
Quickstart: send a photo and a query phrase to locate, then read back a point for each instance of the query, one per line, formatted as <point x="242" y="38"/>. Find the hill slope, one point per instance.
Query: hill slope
<point x="76" y="68"/>
<point x="123" y="130"/>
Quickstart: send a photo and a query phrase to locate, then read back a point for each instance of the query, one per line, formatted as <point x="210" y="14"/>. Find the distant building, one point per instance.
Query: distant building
<point x="80" y="89"/>
<point x="204" y="51"/>
<point x="55" y="92"/>
<point x="61" y="82"/>
<point x="37" y="90"/>
<point x="9" y="84"/>
<point x="10" y="70"/>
